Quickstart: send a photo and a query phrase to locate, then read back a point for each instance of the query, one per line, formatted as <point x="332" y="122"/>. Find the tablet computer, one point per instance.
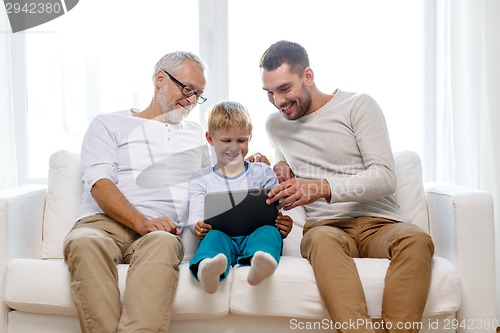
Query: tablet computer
<point x="240" y="212"/>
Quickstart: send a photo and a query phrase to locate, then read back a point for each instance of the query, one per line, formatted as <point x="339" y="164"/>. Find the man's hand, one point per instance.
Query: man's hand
<point x="298" y="192"/>
<point x="115" y="205"/>
<point x="201" y="229"/>
<point x="159" y="223"/>
<point x="258" y="157"/>
<point x="284" y="223"/>
<point x="283" y="171"/>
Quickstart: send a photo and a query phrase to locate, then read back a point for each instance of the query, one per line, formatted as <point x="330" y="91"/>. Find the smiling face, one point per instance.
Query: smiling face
<point x="230" y="145"/>
<point x="172" y="103"/>
<point x="288" y="91"/>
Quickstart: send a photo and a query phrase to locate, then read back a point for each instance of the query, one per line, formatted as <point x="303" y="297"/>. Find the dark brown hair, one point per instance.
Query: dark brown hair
<point x="281" y="52"/>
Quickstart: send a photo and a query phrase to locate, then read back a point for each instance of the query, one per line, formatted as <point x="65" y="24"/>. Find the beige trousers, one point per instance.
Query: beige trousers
<point x="330" y="246"/>
<point x="93" y="248"/>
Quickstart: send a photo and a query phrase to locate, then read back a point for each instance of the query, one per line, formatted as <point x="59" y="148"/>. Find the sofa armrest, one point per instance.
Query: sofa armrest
<point x="21" y="219"/>
<point x="462" y="227"/>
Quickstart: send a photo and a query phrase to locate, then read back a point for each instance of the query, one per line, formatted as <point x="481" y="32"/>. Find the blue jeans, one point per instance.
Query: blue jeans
<point x="238" y="250"/>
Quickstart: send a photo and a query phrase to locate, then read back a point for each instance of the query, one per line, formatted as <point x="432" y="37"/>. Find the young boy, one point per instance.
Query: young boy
<point x="229" y="131"/>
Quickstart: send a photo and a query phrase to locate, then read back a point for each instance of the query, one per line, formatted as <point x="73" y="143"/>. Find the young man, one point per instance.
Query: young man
<point x="335" y="158"/>
<point x="229" y="132"/>
<point x="136" y="168"/>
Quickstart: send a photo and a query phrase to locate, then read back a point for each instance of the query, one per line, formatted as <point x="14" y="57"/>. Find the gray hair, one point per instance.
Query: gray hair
<point x="173" y="60"/>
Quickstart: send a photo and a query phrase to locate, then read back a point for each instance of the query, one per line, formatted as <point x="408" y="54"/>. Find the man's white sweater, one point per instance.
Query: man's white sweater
<point x="345" y="142"/>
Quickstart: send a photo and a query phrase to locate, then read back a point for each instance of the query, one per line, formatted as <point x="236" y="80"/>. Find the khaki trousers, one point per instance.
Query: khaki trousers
<point x="330" y="246"/>
<point x="93" y="248"/>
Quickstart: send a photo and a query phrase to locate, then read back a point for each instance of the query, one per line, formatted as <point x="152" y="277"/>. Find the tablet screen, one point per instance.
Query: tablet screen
<point x="239" y="213"/>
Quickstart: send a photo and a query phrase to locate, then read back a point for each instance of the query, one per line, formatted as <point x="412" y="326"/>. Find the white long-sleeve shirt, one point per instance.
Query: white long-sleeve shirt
<point x="347" y="143"/>
<point x="149" y="161"/>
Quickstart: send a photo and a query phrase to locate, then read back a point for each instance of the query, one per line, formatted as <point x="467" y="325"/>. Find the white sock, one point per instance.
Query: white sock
<point x="209" y="272"/>
<point x="263" y="266"/>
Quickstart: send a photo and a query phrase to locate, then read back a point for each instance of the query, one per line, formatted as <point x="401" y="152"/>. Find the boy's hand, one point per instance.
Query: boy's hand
<point x="201" y="229"/>
<point x="284" y="223"/>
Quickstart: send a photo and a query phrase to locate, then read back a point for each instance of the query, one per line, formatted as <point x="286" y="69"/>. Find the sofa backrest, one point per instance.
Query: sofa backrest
<point x="65" y="194"/>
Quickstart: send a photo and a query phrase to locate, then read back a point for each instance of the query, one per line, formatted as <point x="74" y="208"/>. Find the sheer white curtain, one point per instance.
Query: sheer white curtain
<point x="7" y="135"/>
<point x="467" y="111"/>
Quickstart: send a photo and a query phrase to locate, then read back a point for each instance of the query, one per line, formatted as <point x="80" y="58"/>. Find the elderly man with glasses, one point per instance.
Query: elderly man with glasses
<point x="136" y="168"/>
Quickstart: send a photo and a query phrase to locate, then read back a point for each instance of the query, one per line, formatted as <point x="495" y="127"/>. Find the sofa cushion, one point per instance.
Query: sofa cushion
<point x="42" y="286"/>
<point x="410" y="188"/>
<point x="65" y="195"/>
<point x="63" y="199"/>
<point x="292" y="291"/>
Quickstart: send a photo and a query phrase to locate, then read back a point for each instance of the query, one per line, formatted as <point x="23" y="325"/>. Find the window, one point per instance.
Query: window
<point x="374" y="47"/>
<point x="99" y="58"/>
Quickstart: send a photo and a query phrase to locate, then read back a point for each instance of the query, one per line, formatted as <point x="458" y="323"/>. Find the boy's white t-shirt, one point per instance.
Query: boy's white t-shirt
<point x="255" y="175"/>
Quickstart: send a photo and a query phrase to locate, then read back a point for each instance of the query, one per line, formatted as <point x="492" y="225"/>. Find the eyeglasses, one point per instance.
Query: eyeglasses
<point x="187" y="90"/>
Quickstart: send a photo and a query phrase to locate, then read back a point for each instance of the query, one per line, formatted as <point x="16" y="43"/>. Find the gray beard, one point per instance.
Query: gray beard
<point x="175" y="116"/>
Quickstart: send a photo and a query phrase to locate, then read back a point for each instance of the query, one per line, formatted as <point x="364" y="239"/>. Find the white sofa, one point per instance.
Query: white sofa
<point x="35" y="281"/>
